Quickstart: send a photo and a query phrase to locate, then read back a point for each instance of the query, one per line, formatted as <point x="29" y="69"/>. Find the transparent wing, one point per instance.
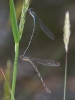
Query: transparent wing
<point x="45" y="62"/>
<point x="42" y="62"/>
<point x="45" y="29"/>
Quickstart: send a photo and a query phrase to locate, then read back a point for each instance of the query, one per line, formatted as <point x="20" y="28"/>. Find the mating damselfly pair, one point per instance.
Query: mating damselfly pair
<point x="43" y="62"/>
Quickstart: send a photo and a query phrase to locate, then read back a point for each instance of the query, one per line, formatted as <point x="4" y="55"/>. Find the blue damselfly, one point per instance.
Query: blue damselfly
<point x="43" y="27"/>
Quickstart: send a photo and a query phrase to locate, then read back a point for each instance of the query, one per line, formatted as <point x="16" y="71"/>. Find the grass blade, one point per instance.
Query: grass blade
<point x="14" y="21"/>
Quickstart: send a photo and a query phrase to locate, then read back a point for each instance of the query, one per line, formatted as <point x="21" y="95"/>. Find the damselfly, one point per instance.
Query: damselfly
<point x="43" y="27"/>
<point x="43" y="62"/>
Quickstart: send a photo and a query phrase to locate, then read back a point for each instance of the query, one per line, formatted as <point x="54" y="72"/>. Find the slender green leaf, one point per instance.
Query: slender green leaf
<point x="14" y="22"/>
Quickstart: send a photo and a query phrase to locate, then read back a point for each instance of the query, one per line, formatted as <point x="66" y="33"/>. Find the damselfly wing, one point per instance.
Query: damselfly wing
<point x="42" y="62"/>
<point x="43" y="27"/>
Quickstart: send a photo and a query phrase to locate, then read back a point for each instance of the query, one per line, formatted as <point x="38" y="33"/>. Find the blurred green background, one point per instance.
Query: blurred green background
<point x="29" y="86"/>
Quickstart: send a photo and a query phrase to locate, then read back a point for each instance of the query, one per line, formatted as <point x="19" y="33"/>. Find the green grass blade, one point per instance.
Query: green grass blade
<point x="14" y="21"/>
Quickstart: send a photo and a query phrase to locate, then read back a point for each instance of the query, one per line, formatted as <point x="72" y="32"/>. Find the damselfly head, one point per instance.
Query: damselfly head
<point x="21" y="56"/>
<point x="24" y="58"/>
<point x="30" y="10"/>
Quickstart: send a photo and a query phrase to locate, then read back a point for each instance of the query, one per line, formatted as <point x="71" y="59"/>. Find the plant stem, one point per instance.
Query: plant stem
<point x="15" y="69"/>
<point x="65" y="77"/>
<point x="17" y="34"/>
